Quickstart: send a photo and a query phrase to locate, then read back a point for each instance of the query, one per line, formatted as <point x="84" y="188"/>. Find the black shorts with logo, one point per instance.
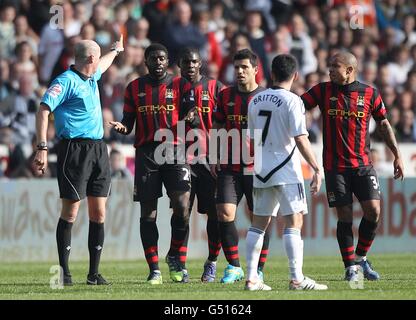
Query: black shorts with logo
<point x="362" y="182"/>
<point x="231" y="186"/>
<point x="203" y="186"/>
<point x="83" y="169"/>
<point x="151" y="175"/>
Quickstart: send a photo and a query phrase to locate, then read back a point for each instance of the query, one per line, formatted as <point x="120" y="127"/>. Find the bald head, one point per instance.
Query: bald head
<point x="347" y="58"/>
<point x="85" y="49"/>
<point x="342" y="67"/>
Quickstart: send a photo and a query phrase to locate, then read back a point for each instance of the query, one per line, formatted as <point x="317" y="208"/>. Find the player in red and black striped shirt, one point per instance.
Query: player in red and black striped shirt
<point x="235" y="179"/>
<point x="203" y="184"/>
<point x="154" y="103"/>
<point x="346" y="106"/>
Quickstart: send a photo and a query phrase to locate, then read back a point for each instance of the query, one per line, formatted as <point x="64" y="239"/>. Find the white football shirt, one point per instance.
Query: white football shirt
<point x="275" y="117"/>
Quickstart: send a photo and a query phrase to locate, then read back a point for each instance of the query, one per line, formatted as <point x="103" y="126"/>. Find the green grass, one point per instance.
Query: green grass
<point x="31" y="281"/>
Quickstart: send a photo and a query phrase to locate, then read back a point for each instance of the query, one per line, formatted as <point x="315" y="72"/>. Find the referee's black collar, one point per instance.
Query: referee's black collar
<point x="81" y="75"/>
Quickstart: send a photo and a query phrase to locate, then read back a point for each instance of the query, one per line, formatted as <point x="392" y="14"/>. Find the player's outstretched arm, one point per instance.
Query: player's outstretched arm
<point x="106" y="60"/>
<point x="388" y="136"/>
<point x="304" y="146"/>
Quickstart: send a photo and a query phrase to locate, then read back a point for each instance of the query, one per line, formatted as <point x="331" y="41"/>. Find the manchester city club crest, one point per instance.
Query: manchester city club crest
<point x="169" y="94"/>
<point x="205" y="95"/>
<point x="360" y="101"/>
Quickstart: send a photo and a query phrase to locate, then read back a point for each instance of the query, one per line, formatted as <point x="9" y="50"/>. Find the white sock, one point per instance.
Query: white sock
<point x="254" y="243"/>
<point x="360" y="258"/>
<point x="294" y="251"/>
<point x="209" y="261"/>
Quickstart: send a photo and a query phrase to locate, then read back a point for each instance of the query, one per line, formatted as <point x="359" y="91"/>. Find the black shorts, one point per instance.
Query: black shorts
<point x="83" y="169"/>
<point x="231" y="186"/>
<point x="150" y="176"/>
<point x="203" y="186"/>
<point x="362" y="182"/>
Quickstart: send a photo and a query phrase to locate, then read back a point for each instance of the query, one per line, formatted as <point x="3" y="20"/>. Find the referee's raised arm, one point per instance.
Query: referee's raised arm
<point x="107" y="60"/>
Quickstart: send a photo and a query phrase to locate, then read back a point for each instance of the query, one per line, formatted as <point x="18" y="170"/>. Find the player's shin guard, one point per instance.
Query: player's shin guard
<point x="214" y="240"/>
<point x="150" y="236"/>
<point x="345" y="239"/>
<point x="366" y="235"/>
<point x="63" y="240"/>
<point x="229" y="241"/>
<point x="264" y="250"/>
<point x="254" y="243"/>
<point x="294" y="250"/>
<point x="95" y="245"/>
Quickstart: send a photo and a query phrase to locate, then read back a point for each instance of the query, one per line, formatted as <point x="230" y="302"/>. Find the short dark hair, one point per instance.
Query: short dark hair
<point x="246" y="54"/>
<point x="154" y="47"/>
<point x="284" y="67"/>
<point x="188" y="51"/>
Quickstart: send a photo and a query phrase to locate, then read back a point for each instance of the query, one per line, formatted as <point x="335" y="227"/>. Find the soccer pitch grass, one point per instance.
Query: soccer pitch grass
<point x="128" y="278"/>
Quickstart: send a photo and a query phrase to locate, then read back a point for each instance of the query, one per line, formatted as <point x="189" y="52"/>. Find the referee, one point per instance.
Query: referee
<point x="83" y="165"/>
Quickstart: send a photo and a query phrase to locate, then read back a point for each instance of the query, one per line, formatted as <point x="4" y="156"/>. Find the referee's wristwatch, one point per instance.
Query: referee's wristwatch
<point x="42" y="146"/>
<point x="116" y="50"/>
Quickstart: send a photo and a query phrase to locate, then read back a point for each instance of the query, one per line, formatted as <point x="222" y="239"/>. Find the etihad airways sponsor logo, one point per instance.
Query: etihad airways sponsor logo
<point x="237" y="118"/>
<point x="155" y="108"/>
<point x="346" y="113"/>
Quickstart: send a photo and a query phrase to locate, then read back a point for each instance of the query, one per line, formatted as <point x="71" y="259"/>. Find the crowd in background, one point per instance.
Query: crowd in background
<point x="380" y="33"/>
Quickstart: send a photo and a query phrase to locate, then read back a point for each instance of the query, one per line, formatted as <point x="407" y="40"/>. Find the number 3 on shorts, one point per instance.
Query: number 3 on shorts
<point x="187" y="174"/>
<point x="375" y="182"/>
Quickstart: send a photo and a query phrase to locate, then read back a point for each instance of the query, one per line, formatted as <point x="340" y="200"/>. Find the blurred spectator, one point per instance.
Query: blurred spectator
<point x="25" y="62"/>
<point x="87" y="31"/>
<point x="405" y="128"/>
<point x="50" y="47"/>
<point x="302" y="46"/>
<point x="180" y="32"/>
<point x="410" y="84"/>
<point x="72" y="26"/>
<point x="25" y="34"/>
<point x="388" y="13"/>
<point x="81" y="12"/>
<point x="104" y="33"/>
<point x="257" y="38"/>
<point x="7" y="33"/>
<point x="217" y="22"/>
<point x="118" y="165"/>
<point x="156" y="12"/>
<point x="140" y="34"/>
<point x="407" y="36"/>
<point x="263" y="7"/>
<point x="369" y="74"/>
<point x="280" y="42"/>
<point x="211" y="50"/>
<point x="112" y="94"/>
<point x="405" y="101"/>
<point x="6" y="89"/>
<point x="121" y="15"/>
<point x="66" y="58"/>
<point x="17" y="111"/>
<point x="400" y="66"/>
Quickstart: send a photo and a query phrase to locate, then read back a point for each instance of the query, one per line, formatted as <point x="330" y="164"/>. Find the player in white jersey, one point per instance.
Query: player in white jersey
<point x="279" y="116"/>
